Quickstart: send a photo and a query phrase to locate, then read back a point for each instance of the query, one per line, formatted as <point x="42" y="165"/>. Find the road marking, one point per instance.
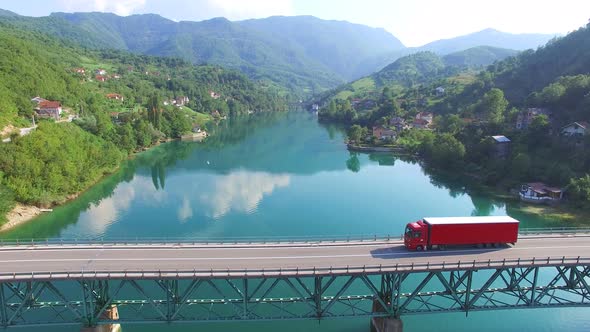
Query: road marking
<point x="384" y="255"/>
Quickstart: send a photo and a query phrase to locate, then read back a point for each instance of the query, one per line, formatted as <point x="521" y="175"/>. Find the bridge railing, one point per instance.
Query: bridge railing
<point x="255" y="239"/>
<point x="296" y="271"/>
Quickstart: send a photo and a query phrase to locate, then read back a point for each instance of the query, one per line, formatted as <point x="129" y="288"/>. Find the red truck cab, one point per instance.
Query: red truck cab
<point x="416" y="235"/>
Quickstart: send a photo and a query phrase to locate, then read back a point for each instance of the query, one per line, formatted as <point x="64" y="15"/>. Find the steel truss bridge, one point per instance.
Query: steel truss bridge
<point x="418" y="284"/>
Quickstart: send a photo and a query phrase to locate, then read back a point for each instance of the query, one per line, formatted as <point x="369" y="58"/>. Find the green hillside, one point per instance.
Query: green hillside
<point x="530" y="98"/>
<point x="477" y="57"/>
<point x="126" y="108"/>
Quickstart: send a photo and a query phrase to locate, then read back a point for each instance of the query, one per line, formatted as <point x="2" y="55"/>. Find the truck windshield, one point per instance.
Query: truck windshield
<point x="408" y="231"/>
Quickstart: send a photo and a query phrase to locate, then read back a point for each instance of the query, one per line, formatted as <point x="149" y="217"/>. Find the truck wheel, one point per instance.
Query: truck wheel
<point x="419" y="248"/>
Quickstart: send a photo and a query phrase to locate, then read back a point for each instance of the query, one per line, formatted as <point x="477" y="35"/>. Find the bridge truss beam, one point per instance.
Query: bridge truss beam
<point x="85" y="301"/>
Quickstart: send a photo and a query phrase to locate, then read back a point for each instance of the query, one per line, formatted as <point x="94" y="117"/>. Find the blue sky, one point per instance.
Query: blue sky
<point x="414" y="22"/>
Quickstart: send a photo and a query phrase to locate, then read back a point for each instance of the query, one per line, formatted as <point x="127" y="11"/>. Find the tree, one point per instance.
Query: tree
<point x="355" y="133"/>
<point x="579" y="191"/>
<point x="446" y="151"/>
<point x="154" y="110"/>
<point x="520" y="166"/>
<point x="494" y="105"/>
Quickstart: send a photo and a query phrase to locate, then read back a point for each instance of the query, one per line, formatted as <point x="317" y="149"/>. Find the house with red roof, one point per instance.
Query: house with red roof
<point x="49" y="109"/>
<point x="115" y="96"/>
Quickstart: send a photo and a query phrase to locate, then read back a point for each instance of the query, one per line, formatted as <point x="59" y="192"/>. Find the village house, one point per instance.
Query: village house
<point x="215" y="114"/>
<point x="575" y="129"/>
<point x="501" y="146"/>
<point x="423" y="120"/>
<point x="101" y="72"/>
<point x="38" y="100"/>
<point x="382" y="133"/>
<point x="525" y="118"/>
<point x="80" y="71"/>
<point x="49" y="109"/>
<point x="440" y="91"/>
<point x="420" y="124"/>
<point x="214" y="95"/>
<point x="115" y="96"/>
<point x="398" y="123"/>
<point x="539" y="193"/>
<point x="116" y="76"/>
<point x="181" y="101"/>
<point x="100" y="78"/>
<point x="425" y="116"/>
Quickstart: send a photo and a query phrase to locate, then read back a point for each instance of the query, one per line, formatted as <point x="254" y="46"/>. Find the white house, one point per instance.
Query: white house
<point x="575" y="129"/>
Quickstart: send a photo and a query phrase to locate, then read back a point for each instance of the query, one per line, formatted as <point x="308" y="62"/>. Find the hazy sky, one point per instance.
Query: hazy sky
<point x="414" y="22"/>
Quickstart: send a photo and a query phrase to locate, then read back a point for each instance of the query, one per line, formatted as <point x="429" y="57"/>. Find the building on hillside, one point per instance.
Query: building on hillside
<point x="116" y="76"/>
<point x="398" y="123"/>
<point x="100" y="78"/>
<point x="115" y="96"/>
<point x="525" y="118"/>
<point x="423" y="120"/>
<point x="214" y="94"/>
<point x="425" y="116"/>
<point x="383" y="133"/>
<point x="37" y="100"/>
<point x="215" y="114"/>
<point x="49" y="109"/>
<point x="80" y="71"/>
<point x="501" y="146"/>
<point x="420" y="124"/>
<point x="540" y="193"/>
<point x="181" y="101"/>
<point x="101" y="72"/>
<point x="439" y="91"/>
<point x="575" y="129"/>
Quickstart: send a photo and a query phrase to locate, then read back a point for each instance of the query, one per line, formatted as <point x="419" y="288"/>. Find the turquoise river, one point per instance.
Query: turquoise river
<point x="283" y="175"/>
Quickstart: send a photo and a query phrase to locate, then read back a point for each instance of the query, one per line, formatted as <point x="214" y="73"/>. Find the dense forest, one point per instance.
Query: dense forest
<point x="530" y="98"/>
<point x="113" y="103"/>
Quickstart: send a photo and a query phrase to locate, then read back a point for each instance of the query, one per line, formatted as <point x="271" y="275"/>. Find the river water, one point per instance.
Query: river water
<point x="283" y="175"/>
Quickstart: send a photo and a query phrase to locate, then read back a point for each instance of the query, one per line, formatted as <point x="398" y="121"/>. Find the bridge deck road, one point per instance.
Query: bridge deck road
<point x="31" y="259"/>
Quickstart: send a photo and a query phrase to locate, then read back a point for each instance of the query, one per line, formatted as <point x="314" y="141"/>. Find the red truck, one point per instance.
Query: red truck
<point x="430" y="233"/>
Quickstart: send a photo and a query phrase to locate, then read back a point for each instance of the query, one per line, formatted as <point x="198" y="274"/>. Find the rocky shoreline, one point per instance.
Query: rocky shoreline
<point x="20" y="215"/>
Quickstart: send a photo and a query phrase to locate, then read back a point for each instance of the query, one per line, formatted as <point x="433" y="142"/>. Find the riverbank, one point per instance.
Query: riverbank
<point x="20" y="215"/>
<point x="23" y="213"/>
<point x="360" y="148"/>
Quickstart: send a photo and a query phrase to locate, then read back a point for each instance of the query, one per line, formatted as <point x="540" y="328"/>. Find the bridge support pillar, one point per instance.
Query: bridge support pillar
<point x="111" y="314"/>
<point x="386" y="324"/>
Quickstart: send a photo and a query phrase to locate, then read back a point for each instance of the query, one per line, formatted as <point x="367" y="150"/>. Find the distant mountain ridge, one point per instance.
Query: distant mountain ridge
<point x="488" y="37"/>
<point x="302" y="55"/>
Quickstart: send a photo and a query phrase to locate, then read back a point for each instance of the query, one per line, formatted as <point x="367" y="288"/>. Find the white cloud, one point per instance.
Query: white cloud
<point x="119" y="7"/>
<point x="185" y="211"/>
<point x="241" y="191"/>
<point x="240" y="9"/>
<point x="99" y="217"/>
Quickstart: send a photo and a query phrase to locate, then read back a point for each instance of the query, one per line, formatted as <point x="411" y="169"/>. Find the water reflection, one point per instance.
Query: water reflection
<point x="240" y="191"/>
<point x="280" y="174"/>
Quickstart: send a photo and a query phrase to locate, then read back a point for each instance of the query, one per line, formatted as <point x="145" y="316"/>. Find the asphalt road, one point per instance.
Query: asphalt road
<point x="112" y="258"/>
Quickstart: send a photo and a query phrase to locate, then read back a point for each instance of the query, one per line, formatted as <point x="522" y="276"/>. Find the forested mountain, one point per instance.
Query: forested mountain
<point x="340" y="46"/>
<point x="300" y="54"/>
<point x="488" y="37"/>
<point x="477" y="57"/>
